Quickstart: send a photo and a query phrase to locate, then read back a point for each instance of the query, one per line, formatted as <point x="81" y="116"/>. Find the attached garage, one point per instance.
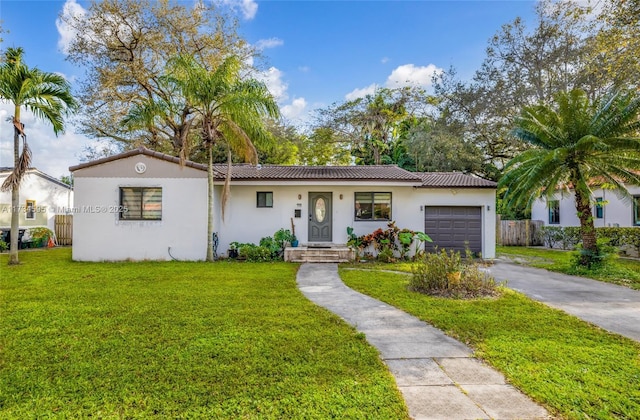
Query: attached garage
<point x="459" y="209"/>
<point x="454" y="227"/>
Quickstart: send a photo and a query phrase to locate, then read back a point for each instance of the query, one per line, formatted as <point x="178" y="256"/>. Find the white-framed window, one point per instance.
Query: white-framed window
<point x="264" y="199"/>
<point x="598" y="209"/>
<point x="140" y="203"/>
<point x="30" y="210"/>
<point x="372" y="206"/>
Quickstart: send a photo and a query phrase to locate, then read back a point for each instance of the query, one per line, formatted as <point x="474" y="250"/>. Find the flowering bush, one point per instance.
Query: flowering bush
<point x="387" y="244"/>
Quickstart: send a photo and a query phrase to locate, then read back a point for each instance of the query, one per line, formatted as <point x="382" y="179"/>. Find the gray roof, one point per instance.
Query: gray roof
<point x="382" y="173"/>
<point x="453" y="180"/>
<point x="311" y="173"/>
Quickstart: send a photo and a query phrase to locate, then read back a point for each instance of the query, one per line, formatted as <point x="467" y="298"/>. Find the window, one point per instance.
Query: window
<point x="141" y="203"/>
<point x="636" y="210"/>
<point x="373" y="206"/>
<point x="265" y="199"/>
<point x="599" y="209"/>
<point x="30" y="210"/>
<point x="554" y="212"/>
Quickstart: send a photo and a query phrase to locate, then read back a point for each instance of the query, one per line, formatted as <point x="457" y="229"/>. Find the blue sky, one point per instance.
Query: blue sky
<point x="316" y="52"/>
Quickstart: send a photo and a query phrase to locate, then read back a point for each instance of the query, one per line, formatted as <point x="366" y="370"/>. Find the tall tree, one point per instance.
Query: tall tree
<point x="436" y="144"/>
<point x="229" y="109"/>
<point x="576" y="142"/>
<point x="525" y="64"/>
<point x="125" y="45"/>
<point x="323" y="147"/>
<point x="369" y="125"/>
<point x="48" y="97"/>
<point x="616" y="47"/>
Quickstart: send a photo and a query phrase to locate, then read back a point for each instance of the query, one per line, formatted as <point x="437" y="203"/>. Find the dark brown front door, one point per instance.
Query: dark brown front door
<point x="320" y="225"/>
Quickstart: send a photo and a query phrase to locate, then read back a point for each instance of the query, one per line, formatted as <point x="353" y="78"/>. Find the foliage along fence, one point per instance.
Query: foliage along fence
<point x="519" y="232"/>
<point x="63" y="227"/>
<point x="627" y="239"/>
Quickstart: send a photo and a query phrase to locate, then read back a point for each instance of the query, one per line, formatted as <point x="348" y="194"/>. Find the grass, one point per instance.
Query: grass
<point x="624" y="272"/>
<point x="178" y="340"/>
<point x="576" y="370"/>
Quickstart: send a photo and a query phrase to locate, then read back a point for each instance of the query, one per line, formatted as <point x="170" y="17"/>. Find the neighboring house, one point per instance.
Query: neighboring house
<point x="41" y="198"/>
<point x="608" y="209"/>
<point x="166" y="205"/>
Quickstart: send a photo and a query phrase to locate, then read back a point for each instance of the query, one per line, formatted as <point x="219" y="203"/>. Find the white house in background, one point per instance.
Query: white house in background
<point x="41" y="198"/>
<point x="613" y="212"/>
<point x="143" y="204"/>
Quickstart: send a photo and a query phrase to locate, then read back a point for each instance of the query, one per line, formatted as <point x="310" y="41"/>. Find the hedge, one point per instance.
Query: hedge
<point x="568" y="237"/>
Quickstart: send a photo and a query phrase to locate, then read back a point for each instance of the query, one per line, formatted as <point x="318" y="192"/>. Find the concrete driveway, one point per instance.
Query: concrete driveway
<point x="614" y="308"/>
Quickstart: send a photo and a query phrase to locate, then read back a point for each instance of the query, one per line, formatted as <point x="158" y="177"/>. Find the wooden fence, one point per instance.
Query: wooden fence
<point x="519" y="232"/>
<point x="63" y="228"/>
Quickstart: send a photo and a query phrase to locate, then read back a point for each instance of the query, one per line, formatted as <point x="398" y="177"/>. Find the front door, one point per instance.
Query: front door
<point x="320" y="226"/>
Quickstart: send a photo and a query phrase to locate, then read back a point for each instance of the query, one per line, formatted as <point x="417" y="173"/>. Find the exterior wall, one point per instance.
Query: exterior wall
<point x="616" y="211"/>
<point x="50" y="198"/>
<point x="100" y="235"/>
<point x="244" y="222"/>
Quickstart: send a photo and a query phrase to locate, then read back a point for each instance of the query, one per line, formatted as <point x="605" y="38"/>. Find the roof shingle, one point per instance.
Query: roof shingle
<point x="383" y="173"/>
<point x="309" y="173"/>
<point x="453" y="180"/>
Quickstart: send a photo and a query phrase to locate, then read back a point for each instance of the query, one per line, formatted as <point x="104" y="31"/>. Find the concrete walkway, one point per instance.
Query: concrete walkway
<point x="614" y="308"/>
<point x="437" y="375"/>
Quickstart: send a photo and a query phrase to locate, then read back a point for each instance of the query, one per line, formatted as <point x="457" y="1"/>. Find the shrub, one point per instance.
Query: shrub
<point x="254" y="253"/>
<point x="551" y="235"/>
<point x="387" y="244"/>
<point x="569" y="237"/>
<point x="585" y="259"/>
<point x="444" y="274"/>
<point x="3" y="246"/>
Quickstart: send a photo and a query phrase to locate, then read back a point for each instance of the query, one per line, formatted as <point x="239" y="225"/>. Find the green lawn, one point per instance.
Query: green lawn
<point x="577" y="371"/>
<point x="178" y="340"/>
<point x="625" y="272"/>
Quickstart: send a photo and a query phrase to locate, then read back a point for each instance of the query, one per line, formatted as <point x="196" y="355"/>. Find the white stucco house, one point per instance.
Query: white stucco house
<point x="41" y="198"/>
<point x="143" y="204"/>
<point x="609" y="210"/>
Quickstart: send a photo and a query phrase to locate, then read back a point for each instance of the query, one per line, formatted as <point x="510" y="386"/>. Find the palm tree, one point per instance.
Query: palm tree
<point x="576" y="143"/>
<point x="48" y="97"/>
<point x="229" y="109"/>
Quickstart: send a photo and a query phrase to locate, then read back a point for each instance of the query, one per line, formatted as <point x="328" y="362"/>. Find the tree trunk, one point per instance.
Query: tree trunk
<point x="210" y="204"/>
<point x="587" y="227"/>
<point x="15" y="198"/>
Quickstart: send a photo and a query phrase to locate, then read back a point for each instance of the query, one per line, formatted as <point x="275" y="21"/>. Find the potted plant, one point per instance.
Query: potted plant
<point x="233" y="250"/>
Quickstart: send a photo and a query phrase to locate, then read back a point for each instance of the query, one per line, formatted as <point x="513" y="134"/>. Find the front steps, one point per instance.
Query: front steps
<point x="319" y="253"/>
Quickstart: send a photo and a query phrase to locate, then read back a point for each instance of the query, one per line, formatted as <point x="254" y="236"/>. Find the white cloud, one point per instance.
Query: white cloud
<point x="411" y="75"/>
<point x="361" y="93"/>
<point x="296" y="110"/>
<point x="70" y="10"/>
<point x="384" y="60"/>
<point x="304" y="69"/>
<point x="248" y="8"/>
<point x="52" y="155"/>
<point x="269" y="43"/>
<point x="273" y="79"/>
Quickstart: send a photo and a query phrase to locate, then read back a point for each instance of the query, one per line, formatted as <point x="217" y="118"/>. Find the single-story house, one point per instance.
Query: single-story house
<point x="41" y="198"/>
<point x="143" y="204"/>
<point x="609" y="210"/>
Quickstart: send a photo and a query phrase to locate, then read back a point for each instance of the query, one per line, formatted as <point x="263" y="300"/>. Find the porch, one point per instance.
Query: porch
<point x="322" y="252"/>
